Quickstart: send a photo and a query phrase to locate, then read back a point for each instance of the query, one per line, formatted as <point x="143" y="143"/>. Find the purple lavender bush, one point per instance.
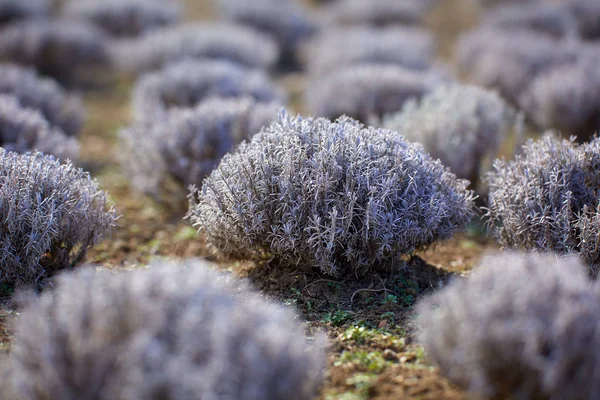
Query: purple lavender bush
<point x="337" y="48"/>
<point x="52" y="214"/>
<point x="548" y="198"/>
<point x="367" y="92"/>
<point x="45" y="95"/>
<point x="334" y="196"/>
<point x="458" y="124"/>
<point x="125" y="18"/>
<point x="379" y="12"/>
<point x="54" y="47"/>
<point x="25" y="130"/>
<point x="13" y="10"/>
<point x="164" y="157"/>
<point x="221" y="41"/>
<point x="172" y="331"/>
<point x="185" y="84"/>
<point x="520" y="326"/>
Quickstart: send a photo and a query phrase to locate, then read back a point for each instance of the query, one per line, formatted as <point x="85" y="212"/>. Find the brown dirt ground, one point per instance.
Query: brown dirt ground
<point x="368" y="321"/>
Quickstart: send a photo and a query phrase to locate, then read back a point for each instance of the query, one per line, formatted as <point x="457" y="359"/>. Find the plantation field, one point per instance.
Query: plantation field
<point x="368" y="321"/>
<point x="474" y="87"/>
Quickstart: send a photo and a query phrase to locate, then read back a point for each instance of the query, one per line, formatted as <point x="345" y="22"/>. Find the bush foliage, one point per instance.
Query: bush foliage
<point x="125" y="18"/>
<point x="548" y="198"/>
<point x="460" y="125"/>
<point x="174" y="331"/>
<point x="25" y="130"/>
<point x="221" y="41"/>
<point x="515" y="327"/>
<point x="45" y="95"/>
<point x="330" y="195"/>
<point x="51" y="214"/>
<point x="185" y="84"/>
<point x="188" y="144"/>
<point x="11" y="10"/>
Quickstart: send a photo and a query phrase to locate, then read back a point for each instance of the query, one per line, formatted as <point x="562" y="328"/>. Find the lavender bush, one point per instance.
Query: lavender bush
<point x="58" y="48"/>
<point x="329" y="195"/>
<point x="188" y="144"/>
<point x="411" y="48"/>
<point x="520" y="327"/>
<point x="548" y="198"/>
<point x="566" y="98"/>
<point x="365" y="92"/>
<point x="379" y="12"/>
<point x="13" y="10"/>
<point x="547" y="18"/>
<point x="458" y="124"/>
<point x="509" y="61"/>
<point x="174" y="331"/>
<point x="125" y="18"/>
<point x="52" y="213"/>
<point x="187" y="83"/>
<point x="222" y="41"/>
<point x="288" y="22"/>
<point x="25" y="130"/>
<point x="45" y="95"/>
<point x="587" y="15"/>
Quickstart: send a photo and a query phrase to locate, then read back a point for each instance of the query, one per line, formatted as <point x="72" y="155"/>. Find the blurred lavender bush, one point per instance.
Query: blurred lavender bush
<point x="329" y="195"/>
<point x="551" y="19"/>
<point x="336" y="48"/>
<point x="458" y="124"/>
<point x="25" y="130"/>
<point x="520" y="326"/>
<point x="51" y="214"/>
<point x="548" y="198"/>
<point x="566" y="98"/>
<point x="171" y="332"/>
<point x="378" y="12"/>
<point x="57" y="48"/>
<point x="367" y="92"/>
<point x="45" y="95"/>
<point x="288" y="22"/>
<point x="185" y="84"/>
<point x="13" y="10"/>
<point x="222" y="41"/>
<point x="125" y="18"/>
<point x="189" y="143"/>
<point x="509" y="61"/>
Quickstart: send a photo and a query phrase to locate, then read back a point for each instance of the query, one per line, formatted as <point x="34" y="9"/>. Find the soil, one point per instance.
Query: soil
<point x="368" y="320"/>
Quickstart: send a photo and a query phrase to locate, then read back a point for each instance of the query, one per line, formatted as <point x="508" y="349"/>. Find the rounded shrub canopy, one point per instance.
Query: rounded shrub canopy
<point x="548" y="198"/>
<point x="51" y="214"/>
<point x="169" y="332"/>
<point x="331" y="195"/>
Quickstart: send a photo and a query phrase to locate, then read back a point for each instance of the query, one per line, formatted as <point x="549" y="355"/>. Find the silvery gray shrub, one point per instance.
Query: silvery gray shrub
<point x="188" y="144"/>
<point x="548" y="198"/>
<point x="509" y="60"/>
<point x="172" y="331"/>
<point x="566" y="98"/>
<point x="12" y="10"/>
<point x="187" y="83"/>
<point x="288" y="22"/>
<point x="335" y="196"/>
<point x="125" y="18"/>
<point x="224" y="41"/>
<point x="51" y="214"/>
<point x="45" y="95"/>
<point x="458" y="124"/>
<point x="367" y="92"/>
<point x="587" y="15"/>
<point x="25" y="130"/>
<point x="55" y="47"/>
<point x="520" y="326"/>
<point x="378" y="12"/>
<point x="547" y="18"/>
<point x="335" y="48"/>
